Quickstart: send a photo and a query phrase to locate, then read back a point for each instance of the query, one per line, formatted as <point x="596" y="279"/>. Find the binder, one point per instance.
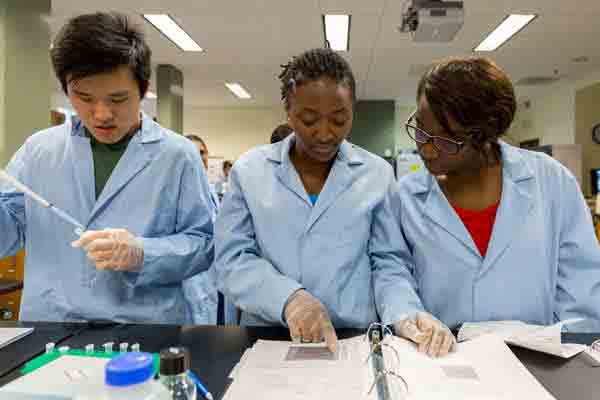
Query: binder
<point x="383" y="375"/>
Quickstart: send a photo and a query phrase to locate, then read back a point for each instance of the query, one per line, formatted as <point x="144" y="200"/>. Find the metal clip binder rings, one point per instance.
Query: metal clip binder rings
<point x="376" y="334"/>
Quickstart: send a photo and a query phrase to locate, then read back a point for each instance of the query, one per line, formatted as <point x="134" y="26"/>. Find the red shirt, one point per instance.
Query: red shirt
<point x="479" y="224"/>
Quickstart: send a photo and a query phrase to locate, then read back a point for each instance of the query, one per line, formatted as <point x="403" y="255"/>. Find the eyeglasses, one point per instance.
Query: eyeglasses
<point x="442" y="144"/>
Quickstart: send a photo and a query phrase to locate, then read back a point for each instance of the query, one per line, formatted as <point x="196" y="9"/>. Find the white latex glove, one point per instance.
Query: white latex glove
<point x="114" y="249"/>
<point x="308" y="320"/>
<point x="430" y="334"/>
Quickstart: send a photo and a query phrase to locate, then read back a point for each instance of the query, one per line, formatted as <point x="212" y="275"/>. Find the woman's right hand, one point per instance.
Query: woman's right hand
<point x="309" y="321"/>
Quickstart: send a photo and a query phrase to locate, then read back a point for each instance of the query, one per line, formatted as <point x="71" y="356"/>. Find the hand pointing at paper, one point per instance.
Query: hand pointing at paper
<point x="430" y="334"/>
<point x="309" y="321"/>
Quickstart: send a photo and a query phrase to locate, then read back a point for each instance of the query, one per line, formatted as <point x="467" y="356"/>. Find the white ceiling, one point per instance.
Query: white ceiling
<point x="247" y="41"/>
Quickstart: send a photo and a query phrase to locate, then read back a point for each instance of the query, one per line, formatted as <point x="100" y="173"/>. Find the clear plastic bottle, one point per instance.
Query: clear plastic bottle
<point x="174" y="367"/>
<point x="130" y="377"/>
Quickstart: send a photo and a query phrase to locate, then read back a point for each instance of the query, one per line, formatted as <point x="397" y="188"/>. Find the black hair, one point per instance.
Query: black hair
<point x="281" y="132"/>
<point x="196" y="138"/>
<point x="96" y="43"/>
<point x="478" y="94"/>
<point x="312" y="65"/>
<point x="227" y="164"/>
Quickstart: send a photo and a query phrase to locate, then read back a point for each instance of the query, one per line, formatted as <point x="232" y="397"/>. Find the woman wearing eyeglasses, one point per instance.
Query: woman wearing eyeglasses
<point x="495" y="232"/>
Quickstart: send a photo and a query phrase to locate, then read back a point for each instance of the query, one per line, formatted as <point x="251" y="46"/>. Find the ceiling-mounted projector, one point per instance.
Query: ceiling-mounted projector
<point x="432" y="20"/>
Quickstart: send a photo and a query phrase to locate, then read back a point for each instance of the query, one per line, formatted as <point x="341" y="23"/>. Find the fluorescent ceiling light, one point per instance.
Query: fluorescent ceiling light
<point x="337" y="31"/>
<point x="151" y="95"/>
<point x="506" y="30"/>
<point x="238" y="90"/>
<point x="173" y="31"/>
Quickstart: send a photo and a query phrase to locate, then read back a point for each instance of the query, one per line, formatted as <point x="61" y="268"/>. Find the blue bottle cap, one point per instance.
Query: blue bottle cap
<point x="129" y="369"/>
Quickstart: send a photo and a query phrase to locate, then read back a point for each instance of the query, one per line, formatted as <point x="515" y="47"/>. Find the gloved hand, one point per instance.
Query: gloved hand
<point x="308" y="320"/>
<point x="115" y="249"/>
<point x="430" y="334"/>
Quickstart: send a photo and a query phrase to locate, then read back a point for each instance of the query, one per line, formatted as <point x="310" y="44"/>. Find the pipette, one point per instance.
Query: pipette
<point x="34" y="196"/>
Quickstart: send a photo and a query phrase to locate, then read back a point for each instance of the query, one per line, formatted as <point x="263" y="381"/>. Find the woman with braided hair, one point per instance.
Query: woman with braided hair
<point x="307" y="220"/>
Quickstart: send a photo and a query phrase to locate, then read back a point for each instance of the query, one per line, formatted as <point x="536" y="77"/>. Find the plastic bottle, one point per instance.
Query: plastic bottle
<point x="174" y="367"/>
<point x="130" y="377"/>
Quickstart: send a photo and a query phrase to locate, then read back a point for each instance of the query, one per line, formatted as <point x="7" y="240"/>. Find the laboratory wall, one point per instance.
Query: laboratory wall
<point x="24" y="69"/>
<point x="374" y="126"/>
<point x="230" y="132"/>
<point x="587" y="115"/>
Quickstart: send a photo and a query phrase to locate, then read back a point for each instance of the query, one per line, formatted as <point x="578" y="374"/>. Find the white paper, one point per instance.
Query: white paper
<point x="483" y="368"/>
<point x="503" y="329"/>
<point x="66" y="376"/>
<point x="11" y="335"/>
<point x="266" y="372"/>
<point x="545" y="339"/>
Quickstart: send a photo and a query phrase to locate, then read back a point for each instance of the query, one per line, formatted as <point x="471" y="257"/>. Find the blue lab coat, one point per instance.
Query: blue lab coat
<point x="200" y="290"/>
<point x="158" y="191"/>
<point x="271" y="241"/>
<point x="543" y="260"/>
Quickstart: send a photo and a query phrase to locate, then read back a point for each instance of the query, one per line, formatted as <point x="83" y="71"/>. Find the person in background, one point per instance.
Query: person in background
<point x="281" y="132"/>
<point x="203" y="150"/>
<point x="139" y="190"/>
<point x="313" y="272"/>
<point x="200" y="290"/>
<point x="206" y="305"/>
<point x="222" y="184"/>
<point x="495" y="232"/>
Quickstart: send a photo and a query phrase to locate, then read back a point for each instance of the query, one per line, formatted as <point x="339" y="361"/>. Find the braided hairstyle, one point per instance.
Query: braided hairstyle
<point x="312" y="65"/>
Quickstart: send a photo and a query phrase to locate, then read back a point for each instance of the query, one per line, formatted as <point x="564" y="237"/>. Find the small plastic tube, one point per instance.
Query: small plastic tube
<point x="108" y="347"/>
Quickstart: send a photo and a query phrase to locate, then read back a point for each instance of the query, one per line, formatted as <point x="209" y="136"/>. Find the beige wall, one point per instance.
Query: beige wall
<point x="169" y="104"/>
<point x="25" y="84"/>
<point x="2" y="80"/>
<point x="230" y="132"/>
<point x="564" y="113"/>
<point x="587" y="114"/>
<point x="549" y="117"/>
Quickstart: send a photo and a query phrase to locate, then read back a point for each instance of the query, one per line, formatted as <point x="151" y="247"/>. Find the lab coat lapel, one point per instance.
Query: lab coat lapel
<point x="516" y="203"/>
<point x="439" y="211"/>
<point x="83" y="173"/>
<point x="285" y="171"/>
<point x="288" y="176"/>
<point x="134" y="160"/>
<point x="131" y="163"/>
<point x="339" y="180"/>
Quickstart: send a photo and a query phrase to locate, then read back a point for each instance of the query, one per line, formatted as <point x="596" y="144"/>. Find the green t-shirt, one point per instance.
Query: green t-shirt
<point x="106" y="158"/>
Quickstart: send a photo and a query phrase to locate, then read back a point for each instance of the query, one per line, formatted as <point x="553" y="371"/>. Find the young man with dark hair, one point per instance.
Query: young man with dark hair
<point x="139" y="189"/>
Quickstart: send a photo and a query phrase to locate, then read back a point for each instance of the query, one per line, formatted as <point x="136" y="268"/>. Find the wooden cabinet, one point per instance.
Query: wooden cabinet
<point x="11" y="268"/>
<point x="9" y="306"/>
